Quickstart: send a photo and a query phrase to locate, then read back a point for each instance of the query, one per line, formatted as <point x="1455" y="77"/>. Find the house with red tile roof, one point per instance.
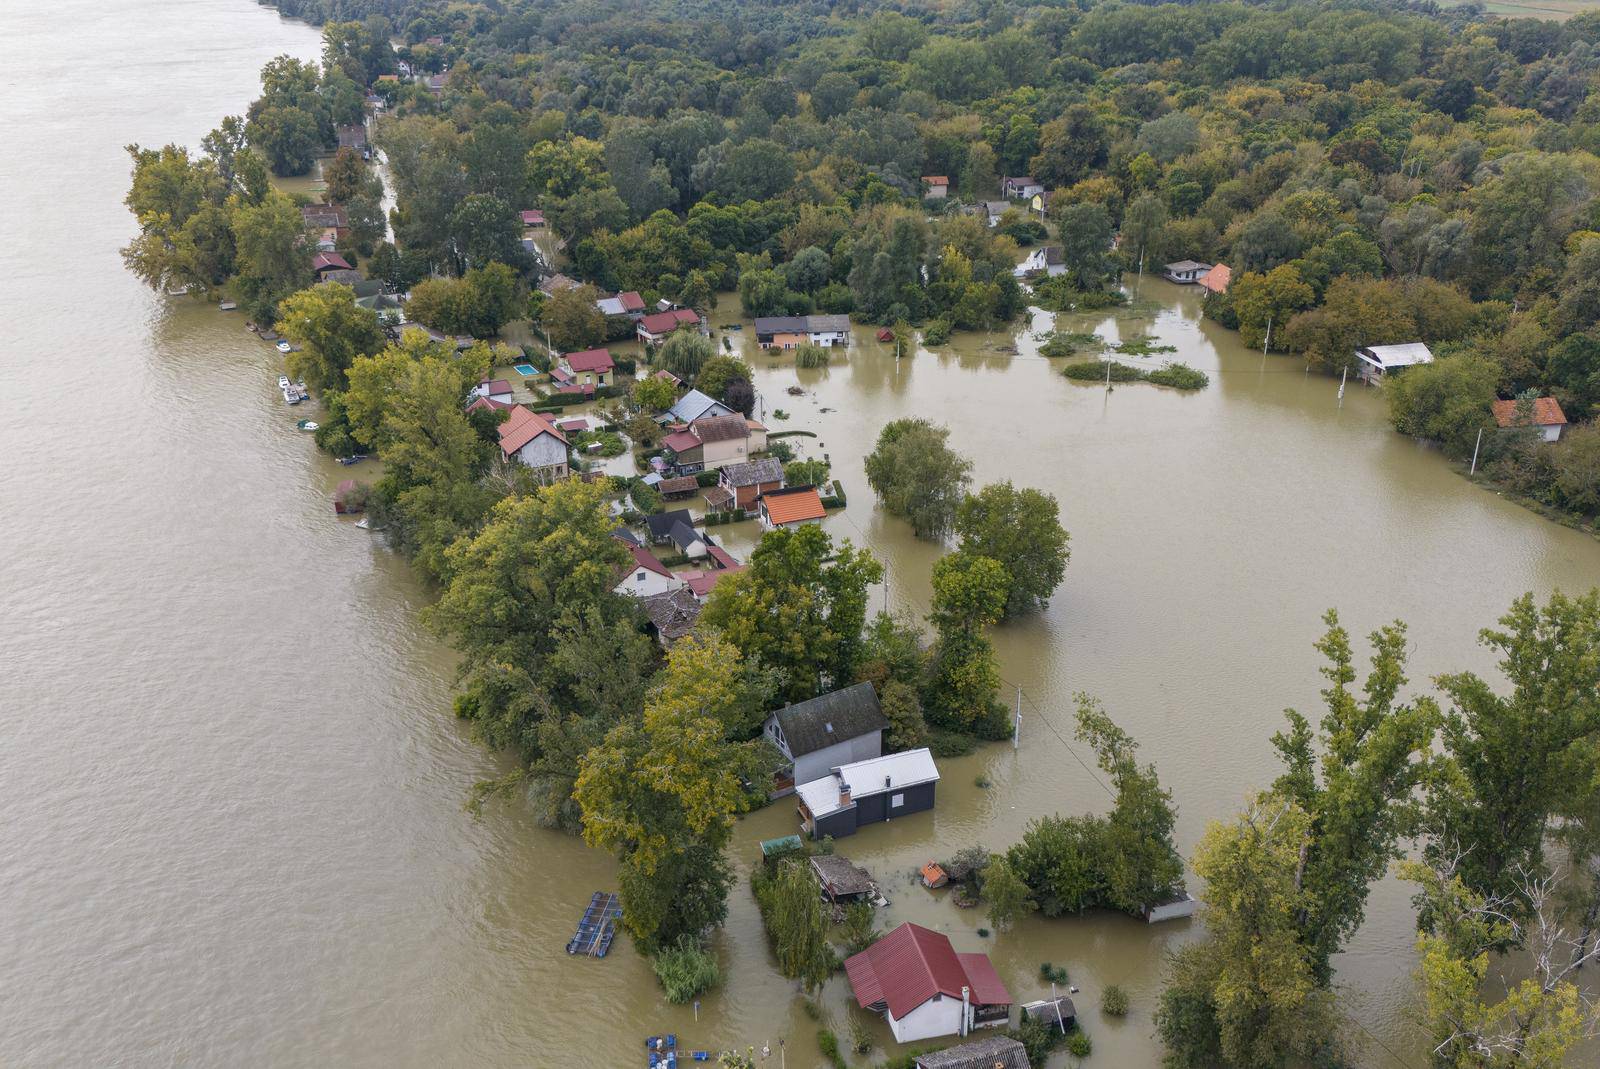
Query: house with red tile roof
<point x="1545" y="414"/>
<point x="658" y="326"/>
<point x="532" y="219"/>
<point x="1218" y="279"/>
<point x="533" y="440"/>
<point x="494" y="390"/>
<point x="924" y="989"/>
<point x="644" y="575"/>
<point x="793" y="507"/>
<point x="325" y="262"/>
<point x="937" y="186"/>
<point x="590" y="367"/>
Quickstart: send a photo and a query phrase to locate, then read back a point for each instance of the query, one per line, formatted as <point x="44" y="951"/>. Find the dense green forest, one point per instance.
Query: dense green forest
<point x="1372" y="173"/>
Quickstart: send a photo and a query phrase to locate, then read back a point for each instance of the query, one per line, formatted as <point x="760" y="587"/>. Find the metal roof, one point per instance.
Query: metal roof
<point x="994" y="1052"/>
<point x="1388" y="356"/>
<point x="866" y="778"/>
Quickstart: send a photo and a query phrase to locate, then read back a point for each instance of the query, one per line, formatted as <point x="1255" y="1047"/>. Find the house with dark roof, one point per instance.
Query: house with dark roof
<point x="670" y="616"/>
<point x="924" y="989"/>
<point x="867" y="792"/>
<point x="750" y="479"/>
<point x="841" y="880"/>
<point x="992" y="1052"/>
<point x="830" y="730"/>
<point x="1048" y="260"/>
<point x="692" y="406"/>
<point x="790" y="332"/>
<point x="1022" y="187"/>
<point x="676" y="528"/>
<point x="1542" y="412"/>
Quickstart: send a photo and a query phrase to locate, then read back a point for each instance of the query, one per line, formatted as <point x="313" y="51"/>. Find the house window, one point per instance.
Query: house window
<point x="641" y="576"/>
<point x="896" y="801"/>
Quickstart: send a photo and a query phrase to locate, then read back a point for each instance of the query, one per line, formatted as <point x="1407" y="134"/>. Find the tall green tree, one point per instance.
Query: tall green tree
<point x="1022" y="530"/>
<point x="273" y="259"/>
<point x="1373" y="757"/>
<point x="917" y="476"/>
<point x="969" y="594"/>
<point x="331" y="331"/>
<point x="798" y="931"/>
<point x="1510" y="760"/>
<point x="798" y="608"/>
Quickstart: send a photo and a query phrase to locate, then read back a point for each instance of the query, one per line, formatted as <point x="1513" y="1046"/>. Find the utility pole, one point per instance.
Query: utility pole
<point x="1268" y="342"/>
<point x="1016" y="725"/>
<point x="1055" y="1000"/>
<point x="1343" y="374"/>
<point x="1475" y="446"/>
<point x="1108" y="374"/>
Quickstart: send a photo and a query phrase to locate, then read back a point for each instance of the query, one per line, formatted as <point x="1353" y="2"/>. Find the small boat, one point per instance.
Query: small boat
<point x="226" y="306"/>
<point x="353" y="459"/>
<point x="283" y="384"/>
<point x="284" y="347"/>
<point x="364" y="523"/>
<point x="307" y="424"/>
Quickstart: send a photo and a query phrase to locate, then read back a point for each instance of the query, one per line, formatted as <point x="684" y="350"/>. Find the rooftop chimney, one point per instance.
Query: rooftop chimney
<point x="844" y="791"/>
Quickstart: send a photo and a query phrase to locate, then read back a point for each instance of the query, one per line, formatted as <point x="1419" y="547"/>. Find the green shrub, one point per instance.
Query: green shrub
<point x="951" y="744"/>
<point x="646" y="498"/>
<point x="610" y="442"/>
<point x="1095" y="371"/>
<point x="936" y="332"/>
<point x="809" y="355"/>
<point x="1078" y="1044"/>
<point x="1143" y="346"/>
<point x="1053" y="974"/>
<point x="1114" y="1001"/>
<point x="828" y="1043"/>
<point x="1180" y="377"/>
<point x="1066" y="342"/>
<point x="704" y="479"/>
<point x="686" y="969"/>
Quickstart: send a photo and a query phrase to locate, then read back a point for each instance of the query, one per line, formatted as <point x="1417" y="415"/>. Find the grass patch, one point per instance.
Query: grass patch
<point x="1176" y="376"/>
<point x="1180" y="377"/>
<point x="1143" y="346"/>
<point x="1067" y="342"/>
<point x="686" y="969"/>
<point x="1114" y="1002"/>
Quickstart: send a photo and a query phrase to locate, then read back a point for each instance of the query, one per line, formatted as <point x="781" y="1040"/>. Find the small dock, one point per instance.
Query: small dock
<point x="598" y="926"/>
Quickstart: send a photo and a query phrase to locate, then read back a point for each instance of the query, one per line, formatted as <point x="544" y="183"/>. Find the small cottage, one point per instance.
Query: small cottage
<point x="644" y="575"/>
<point x="1543" y="413"/>
<point x="1047" y="260"/>
<point x="659" y="326"/>
<point x="325" y="264"/>
<point x="933" y="876"/>
<point x="1380" y="360"/>
<point x="748" y="480"/>
<point x="692" y="406"/>
<point x="924" y="989"/>
<point x="534" y="441"/>
<point x="822" y="733"/>
<point x="1218" y="279"/>
<point x="1185" y="272"/>
<point x="1057" y="1012"/>
<point x="593" y="367"/>
<point x="532" y="219"/>
<point x="868" y="792"/>
<point x="497" y="390"/>
<point x="1023" y="187"/>
<point x="795" y="506"/>
<point x="790" y="332"/>
<point x="936" y="186"/>
<point x="670" y="616"/>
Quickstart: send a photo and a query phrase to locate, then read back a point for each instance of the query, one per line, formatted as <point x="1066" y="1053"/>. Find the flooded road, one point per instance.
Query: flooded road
<point x="230" y="787"/>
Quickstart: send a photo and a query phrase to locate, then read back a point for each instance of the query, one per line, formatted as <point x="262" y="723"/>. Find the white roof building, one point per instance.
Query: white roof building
<point x="877" y="775"/>
<point x="1383" y="358"/>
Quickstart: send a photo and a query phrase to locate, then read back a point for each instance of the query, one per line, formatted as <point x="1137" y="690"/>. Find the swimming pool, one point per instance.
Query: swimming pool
<point x="527" y="371"/>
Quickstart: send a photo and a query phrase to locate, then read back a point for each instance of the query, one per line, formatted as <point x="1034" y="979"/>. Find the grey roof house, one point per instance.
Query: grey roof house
<point x="830" y="730"/>
<point x="993" y="1052"/>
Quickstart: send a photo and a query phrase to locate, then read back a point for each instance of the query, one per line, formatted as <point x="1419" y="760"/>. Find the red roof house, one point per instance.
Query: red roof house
<point x="790" y="508"/>
<point x="1546" y="415"/>
<point x="658" y="325"/>
<point x="330" y="261"/>
<point x="1217" y="279"/>
<point x="536" y="442"/>
<point x="914" y="977"/>
<point x="533" y="217"/>
<point x="596" y="362"/>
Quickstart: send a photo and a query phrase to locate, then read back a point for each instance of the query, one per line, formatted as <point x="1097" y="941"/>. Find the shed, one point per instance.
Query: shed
<point x="994" y="1052"/>
<point x="868" y="792"/>
<point x="841" y="880"/>
<point x="1379" y="360"/>
<point x="348" y="498"/>
<point x="1057" y="1012"/>
<point x="1543" y="412"/>
<point x="1185" y="272"/>
<point x="784" y="844"/>
<point x="1176" y="907"/>
<point x="682" y="486"/>
<point x="933" y="876"/>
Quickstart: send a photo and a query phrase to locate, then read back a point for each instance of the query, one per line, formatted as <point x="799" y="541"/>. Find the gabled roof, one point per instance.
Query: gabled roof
<point x="325" y="260"/>
<point x="720" y="428"/>
<point x="590" y="360"/>
<point x="909" y="966"/>
<point x="1405" y="354"/>
<point x="532" y="217"/>
<point x="666" y="376"/>
<point x="753" y="472"/>
<point x="840" y="877"/>
<point x="622" y="534"/>
<point x="494" y="387"/>
<point x="491" y="404"/>
<point x="673" y="613"/>
<point x="813" y="324"/>
<point x="1546" y="413"/>
<point x="523" y="426"/>
<point x="1188" y="265"/>
<point x="702" y="583"/>
<point x="862" y="779"/>
<point x="684" y="535"/>
<point x="992" y="1052"/>
<point x="631" y="301"/>
<point x="681" y="441"/>
<point x="794" y="505"/>
<point x="662" y="523"/>
<point x="838" y="716"/>
<point x="663" y="322"/>
<point x="1217" y="279"/>
<point x="694" y="404"/>
<point x="936" y="179"/>
<point x="643" y="558"/>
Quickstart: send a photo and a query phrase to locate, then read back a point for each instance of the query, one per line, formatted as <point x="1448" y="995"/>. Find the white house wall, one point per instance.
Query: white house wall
<point x="652" y="583"/>
<point x="939" y="1016"/>
<point x="545" y="451"/>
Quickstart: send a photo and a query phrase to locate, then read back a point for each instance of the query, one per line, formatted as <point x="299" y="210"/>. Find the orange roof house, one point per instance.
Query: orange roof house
<point x="792" y="507"/>
<point x="1546" y="415"/>
<point x="1217" y="279"/>
<point x="933" y="876"/>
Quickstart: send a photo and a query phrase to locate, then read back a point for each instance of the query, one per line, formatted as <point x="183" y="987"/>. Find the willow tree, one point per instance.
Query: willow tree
<point x="795" y="923"/>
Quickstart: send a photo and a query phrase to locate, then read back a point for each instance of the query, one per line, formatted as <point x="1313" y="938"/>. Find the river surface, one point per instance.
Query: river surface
<point x="230" y="788"/>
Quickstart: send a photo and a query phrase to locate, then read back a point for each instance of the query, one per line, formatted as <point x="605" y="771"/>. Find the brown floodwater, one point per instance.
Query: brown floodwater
<point x="232" y="791"/>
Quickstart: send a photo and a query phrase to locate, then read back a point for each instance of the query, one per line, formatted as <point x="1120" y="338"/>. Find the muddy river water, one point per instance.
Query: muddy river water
<point x="230" y="790"/>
